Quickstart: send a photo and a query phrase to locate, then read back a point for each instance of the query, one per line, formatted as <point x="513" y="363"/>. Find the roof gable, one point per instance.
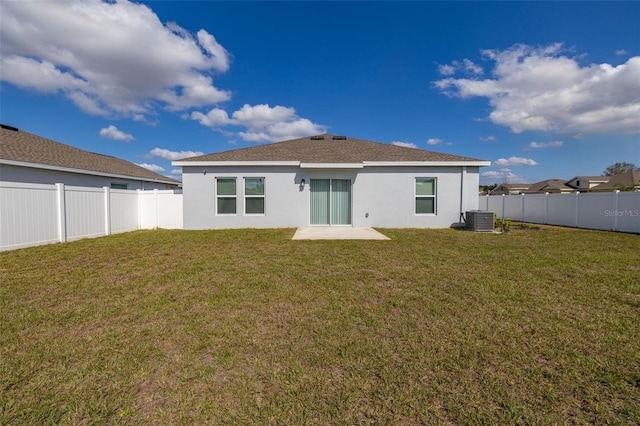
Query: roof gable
<point x="328" y="148"/>
<point x="17" y="145"/>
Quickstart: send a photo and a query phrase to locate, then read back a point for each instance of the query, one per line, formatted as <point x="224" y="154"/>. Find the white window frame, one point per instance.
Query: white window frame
<point x="235" y="180"/>
<point x="416" y="196"/>
<point x="263" y="196"/>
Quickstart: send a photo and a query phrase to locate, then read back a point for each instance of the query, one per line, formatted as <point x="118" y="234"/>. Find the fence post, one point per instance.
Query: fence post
<point x="502" y="217"/>
<point x="156" y="197"/>
<point x="575" y="221"/>
<point x="615" y="209"/>
<point x="522" y="208"/>
<point x="546" y="208"/>
<point x="107" y="210"/>
<point x="139" y="208"/>
<point x="62" y="213"/>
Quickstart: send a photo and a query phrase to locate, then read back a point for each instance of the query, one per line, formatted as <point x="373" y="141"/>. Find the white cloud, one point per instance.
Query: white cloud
<point x="471" y="68"/>
<point x="177" y="172"/>
<point x="514" y="161"/>
<point x="552" y="144"/>
<point x="621" y="52"/>
<point x="173" y="155"/>
<point x="152" y="167"/>
<point x="502" y="175"/>
<point x="263" y="123"/>
<point x="488" y="138"/>
<point x="540" y="89"/>
<point x="42" y="76"/>
<point x="109" y="58"/>
<point x="434" y="141"/>
<point x="446" y="69"/>
<point x="468" y="66"/>
<point x="254" y="136"/>
<point x="112" y="132"/>
<point x="294" y="128"/>
<point x="259" y="117"/>
<point x="87" y="104"/>
<point x="214" y="118"/>
<point x="405" y="144"/>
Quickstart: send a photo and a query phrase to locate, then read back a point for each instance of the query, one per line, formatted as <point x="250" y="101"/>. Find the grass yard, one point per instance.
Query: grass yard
<point x="248" y="327"/>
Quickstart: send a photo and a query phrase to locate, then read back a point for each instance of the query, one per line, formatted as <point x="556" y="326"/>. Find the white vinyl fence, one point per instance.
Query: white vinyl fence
<point x="610" y="211"/>
<point x="34" y="214"/>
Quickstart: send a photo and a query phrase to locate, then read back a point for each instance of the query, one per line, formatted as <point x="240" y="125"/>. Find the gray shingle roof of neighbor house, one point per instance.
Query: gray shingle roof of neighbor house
<point x="622" y="180"/>
<point x="598" y="178"/>
<point x="328" y="148"/>
<point x="23" y="147"/>
<point x="550" y="184"/>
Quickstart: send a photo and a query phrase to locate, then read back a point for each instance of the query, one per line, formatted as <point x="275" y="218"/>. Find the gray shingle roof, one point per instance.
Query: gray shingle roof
<point x="622" y="180"/>
<point x="549" y="184"/>
<point x="326" y="149"/>
<point x="17" y="145"/>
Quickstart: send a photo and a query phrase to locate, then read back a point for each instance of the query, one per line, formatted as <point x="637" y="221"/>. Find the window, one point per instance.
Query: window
<point x="425" y="195"/>
<point x="118" y="185"/>
<point x="254" y="195"/>
<point x="226" y="195"/>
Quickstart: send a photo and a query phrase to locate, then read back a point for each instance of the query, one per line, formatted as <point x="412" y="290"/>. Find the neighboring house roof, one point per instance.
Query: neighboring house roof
<point x="510" y="188"/>
<point x="25" y="149"/>
<point x="549" y="185"/>
<point x="586" y="182"/>
<point x="329" y="149"/>
<point x="622" y="180"/>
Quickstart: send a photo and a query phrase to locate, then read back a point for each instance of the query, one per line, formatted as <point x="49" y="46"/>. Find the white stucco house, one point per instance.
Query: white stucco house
<point x="328" y="180"/>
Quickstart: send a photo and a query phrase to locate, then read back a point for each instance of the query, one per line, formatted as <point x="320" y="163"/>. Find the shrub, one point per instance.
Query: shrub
<point x="503" y="225"/>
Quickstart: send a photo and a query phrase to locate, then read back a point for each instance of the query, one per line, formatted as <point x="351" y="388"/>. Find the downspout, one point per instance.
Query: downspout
<point x="463" y="173"/>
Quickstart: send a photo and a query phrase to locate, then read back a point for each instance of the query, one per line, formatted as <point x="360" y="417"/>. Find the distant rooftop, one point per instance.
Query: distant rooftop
<point x="20" y="146"/>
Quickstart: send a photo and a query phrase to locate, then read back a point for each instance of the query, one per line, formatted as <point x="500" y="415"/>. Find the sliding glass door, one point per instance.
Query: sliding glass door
<point x="330" y="202"/>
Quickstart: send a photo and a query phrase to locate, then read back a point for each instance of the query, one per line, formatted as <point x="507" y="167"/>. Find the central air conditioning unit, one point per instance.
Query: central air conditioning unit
<point x="480" y="220"/>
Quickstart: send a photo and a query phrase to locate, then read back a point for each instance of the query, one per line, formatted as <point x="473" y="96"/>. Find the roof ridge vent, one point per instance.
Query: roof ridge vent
<point x="317" y="138"/>
<point x="339" y="138"/>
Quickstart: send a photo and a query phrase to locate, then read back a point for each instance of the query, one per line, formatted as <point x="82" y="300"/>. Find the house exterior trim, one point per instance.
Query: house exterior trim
<point x="233" y="163"/>
<point x="425" y="163"/>
<point x="331" y="165"/>
<point x="82" y="171"/>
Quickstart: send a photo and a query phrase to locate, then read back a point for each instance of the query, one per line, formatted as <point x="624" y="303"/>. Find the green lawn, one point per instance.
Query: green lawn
<point x="537" y="326"/>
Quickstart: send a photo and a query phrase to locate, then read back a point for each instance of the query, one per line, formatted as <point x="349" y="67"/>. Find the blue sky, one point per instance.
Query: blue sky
<point x="541" y="89"/>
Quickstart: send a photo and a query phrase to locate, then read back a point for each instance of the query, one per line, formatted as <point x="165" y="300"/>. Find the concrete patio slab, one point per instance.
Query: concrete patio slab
<point x="337" y="233"/>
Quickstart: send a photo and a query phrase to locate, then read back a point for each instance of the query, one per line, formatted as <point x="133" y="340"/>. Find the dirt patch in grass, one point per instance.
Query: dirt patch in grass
<point x="247" y="326"/>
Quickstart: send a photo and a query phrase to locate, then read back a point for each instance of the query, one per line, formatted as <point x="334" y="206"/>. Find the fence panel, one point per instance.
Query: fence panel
<point x="28" y="215"/>
<point x="483" y="203"/>
<point x="32" y="214"/>
<point x="535" y="208"/>
<point x="170" y="209"/>
<point x="616" y="211"/>
<point x="123" y="210"/>
<point x="562" y="209"/>
<point x="513" y="207"/>
<point x="495" y="204"/>
<point x="591" y="210"/>
<point x="86" y="216"/>
<point x="627" y="212"/>
<point x="160" y="209"/>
